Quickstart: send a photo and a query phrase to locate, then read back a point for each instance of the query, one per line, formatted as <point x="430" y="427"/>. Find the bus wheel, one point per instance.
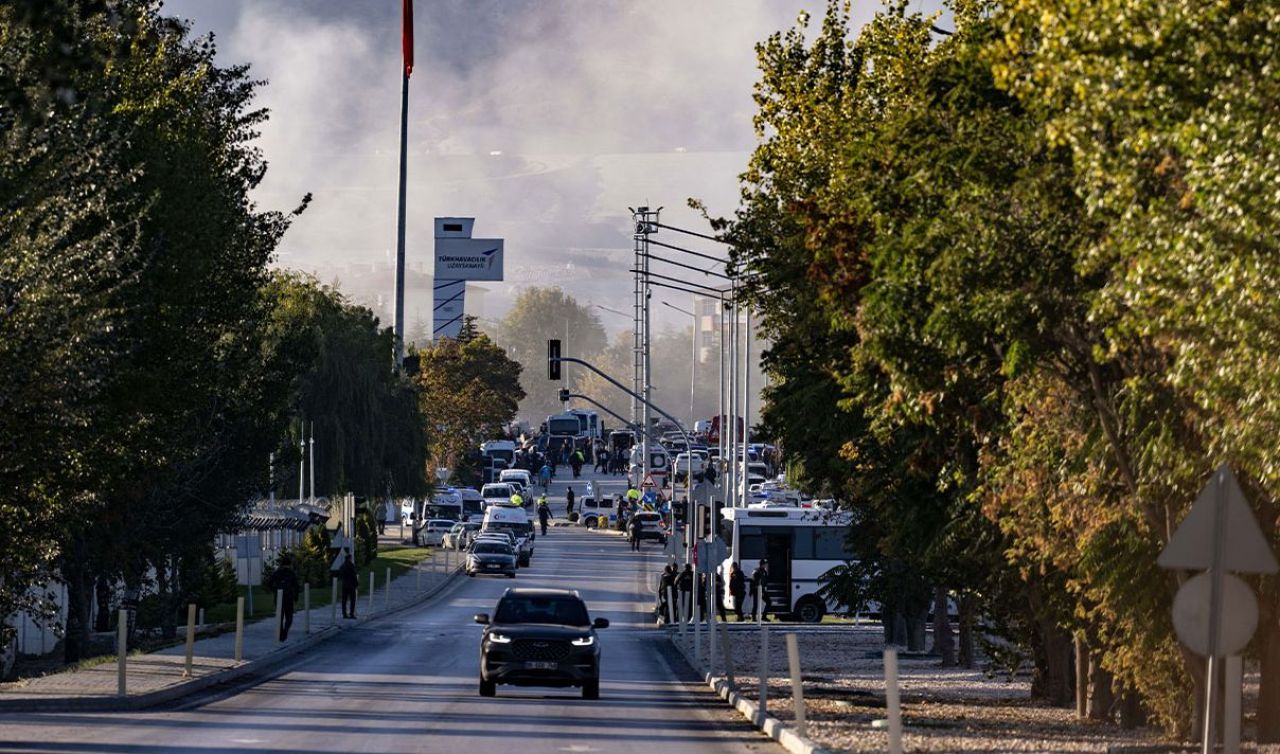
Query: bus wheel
<point x="810" y="610"/>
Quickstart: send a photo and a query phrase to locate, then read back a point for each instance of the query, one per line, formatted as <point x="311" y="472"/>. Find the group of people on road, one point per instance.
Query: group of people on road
<point x="680" y="583"/>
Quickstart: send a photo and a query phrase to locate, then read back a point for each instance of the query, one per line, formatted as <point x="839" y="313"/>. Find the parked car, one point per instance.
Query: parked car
<point x="540" y="637"/>
<point x="433" y="533"/>
<point x="490" y="556"/>
<point x="458" y="537"/>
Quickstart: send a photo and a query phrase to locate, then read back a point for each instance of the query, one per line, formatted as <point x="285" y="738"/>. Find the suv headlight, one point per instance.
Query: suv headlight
<point x="584" y="641"/>
<point x="499" y="638"/>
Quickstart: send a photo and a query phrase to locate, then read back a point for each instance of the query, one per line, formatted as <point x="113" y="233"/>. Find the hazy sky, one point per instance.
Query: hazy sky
<point x="544" y="119"/>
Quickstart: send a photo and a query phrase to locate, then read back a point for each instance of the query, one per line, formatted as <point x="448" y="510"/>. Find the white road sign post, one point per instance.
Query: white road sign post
<point x="1215" y="613"/>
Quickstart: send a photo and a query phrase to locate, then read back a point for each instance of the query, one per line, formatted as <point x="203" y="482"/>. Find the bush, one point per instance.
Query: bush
<point x="573" y="517"/>
<point x="366" y="537"/>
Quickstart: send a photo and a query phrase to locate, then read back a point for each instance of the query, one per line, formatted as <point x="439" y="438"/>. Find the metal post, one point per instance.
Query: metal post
<point x="122" y="650"/>
<point x="746" y="401"/>
<point x="417" y="576"/>
<point x="306" y="608"/>
<point x="333" y="602"/>
<point x="388" y="587"/>
<point x="892" y="704"/>
<point x="302" y="460"/>
<point x="279" y="615"/>
<point x="400" y="218"/>
<point x="764" y="667"/>
<point x="797" y="687"/>
<point x="191" y="639"/>
<point x="372" y="589"/>
<point x="201" y="619"/>
<point x="712" y="606"/>
<point x="672" y="610"/>
<point x="311" y="462"/>
<point x="1215" y="615"/>
<point x="696" y="618"/>
<point x="239" y="628"/>
<point x="1232" y="687"/>
<point x="726" y="655"/>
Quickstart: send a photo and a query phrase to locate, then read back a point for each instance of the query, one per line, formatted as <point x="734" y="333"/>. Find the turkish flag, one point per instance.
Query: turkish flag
<point x="407" y="41"/>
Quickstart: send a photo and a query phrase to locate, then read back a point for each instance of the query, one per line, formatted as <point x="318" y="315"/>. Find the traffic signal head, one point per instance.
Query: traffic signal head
<point x="553" y="360"/>
<point x="564" y="395"/>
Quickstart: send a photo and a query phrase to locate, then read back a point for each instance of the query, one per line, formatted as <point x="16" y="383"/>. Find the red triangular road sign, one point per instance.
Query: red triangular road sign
<point x="648" y="482"/>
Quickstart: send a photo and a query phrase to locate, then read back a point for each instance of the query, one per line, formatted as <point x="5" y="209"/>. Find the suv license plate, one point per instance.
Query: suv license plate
<point x="540" y="665"/>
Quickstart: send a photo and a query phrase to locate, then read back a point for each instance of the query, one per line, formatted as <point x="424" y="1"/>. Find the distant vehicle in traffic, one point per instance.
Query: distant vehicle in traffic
<point x="654" y="527"/>
<point x="460" y="535"/>
<point x="491" y="556"/>
<point x="510" y="518"/>
<point x="497" y="493"/>
<point x="540" y="637"/>
<point x="433" y="533"/>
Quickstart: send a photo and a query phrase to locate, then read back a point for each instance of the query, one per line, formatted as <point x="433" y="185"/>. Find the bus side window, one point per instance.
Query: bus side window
<point x="802" y="544"/>
<point x="828" y="543"/>
<point x="751" y="540"/>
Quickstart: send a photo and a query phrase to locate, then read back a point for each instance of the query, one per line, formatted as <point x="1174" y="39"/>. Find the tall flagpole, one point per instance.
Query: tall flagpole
<point x="407" y="38"/>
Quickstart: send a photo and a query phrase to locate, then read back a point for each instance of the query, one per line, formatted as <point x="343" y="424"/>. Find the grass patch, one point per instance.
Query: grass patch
<point x="399" y="560"/>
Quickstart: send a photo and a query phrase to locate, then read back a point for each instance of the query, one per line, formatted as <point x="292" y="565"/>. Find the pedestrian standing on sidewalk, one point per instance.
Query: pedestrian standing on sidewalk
<point x="634" y="529"/>
<point x="348" y="579"/>
<point x="738" y="590"/>
<point x="380" y="513"/>
<point x="284" y="581"/>
<point x="718" y="596"/>
<point x="760" y="590"/>
<point x="568" y="502"/>
<point x="665" y="587"/>
<point x="685" y="583"/>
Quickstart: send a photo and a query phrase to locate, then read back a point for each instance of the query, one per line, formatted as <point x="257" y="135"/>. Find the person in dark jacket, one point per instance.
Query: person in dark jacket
<point x="568" y="502"/>
<point x="544" y="513"/>
<point x="702" y="597"/>
<point x="684" y="583"/>
<point x="634" y="528"/>
<point x="284" y="581"/>
<point x="759" y="591"/>
<point x="665" y="587"/>
<point x="738" y="590"/>
<point x="348" y="579"/>
<point x="718" y="581"/>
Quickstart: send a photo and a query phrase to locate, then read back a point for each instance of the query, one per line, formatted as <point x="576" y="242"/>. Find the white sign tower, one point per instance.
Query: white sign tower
<point x="459" y="258"/>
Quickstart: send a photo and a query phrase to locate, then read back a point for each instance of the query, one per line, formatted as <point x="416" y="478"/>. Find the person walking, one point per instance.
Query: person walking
<point x="634" y="528"/>
<point x="544" y="513"/>
<point x="737" y="590"/>
<point x="665" y="586"/>
<point x="685" y="583"/>
<point x="284" y="582"/>
<point x="380" y="513"/>
<point x="348" y="579"/>
<point x="760" y="591"/>
<point x="575" y="462"/>
<point x="544" y="477"/>
<point x="602" y="460"/>
<point x="702" y="597"/>
<point x="568" y="502"/>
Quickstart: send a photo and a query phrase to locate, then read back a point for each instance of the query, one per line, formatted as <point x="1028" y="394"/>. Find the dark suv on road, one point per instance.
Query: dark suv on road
<point x="540" y="637"/>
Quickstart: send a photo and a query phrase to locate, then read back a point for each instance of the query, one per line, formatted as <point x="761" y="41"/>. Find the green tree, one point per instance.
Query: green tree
<point x="469" y="393"/>
<point x="538" y="315"/>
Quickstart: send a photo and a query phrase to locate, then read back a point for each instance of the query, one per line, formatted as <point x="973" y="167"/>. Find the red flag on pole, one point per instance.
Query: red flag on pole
<point x="408" y="37"/>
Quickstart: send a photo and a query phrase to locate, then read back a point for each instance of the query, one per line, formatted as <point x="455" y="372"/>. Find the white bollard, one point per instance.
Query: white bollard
<point x="201" y="619"/>
<point x="388" y="587"/>
<point x="1232" y="685"/>
<point x="306" y="608"/>
<point x="727" y="655"/>
<point x="122" y="650"/>
<point x="417" y="576"/>
<point x="279" y="611"/>
<point x="333" y="602"/>
<point x="372" y="589"/>
<point x="891" y="702"/>
<point x="239" y="628"/>
<point x="191" y="639"/>
<point x="764" y="668"/>
<point x="797" y="686"/>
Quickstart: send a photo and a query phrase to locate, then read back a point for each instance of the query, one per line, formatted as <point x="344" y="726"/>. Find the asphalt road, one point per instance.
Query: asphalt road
<point x="408" y="683"/>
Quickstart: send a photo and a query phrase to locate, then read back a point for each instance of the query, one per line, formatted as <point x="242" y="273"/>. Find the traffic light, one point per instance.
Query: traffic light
<point x="553" y="360"/>
<point x="564" y="395"/>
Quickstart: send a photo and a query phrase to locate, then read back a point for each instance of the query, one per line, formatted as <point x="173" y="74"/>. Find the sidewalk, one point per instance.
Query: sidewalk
<point x="158" y="676"/>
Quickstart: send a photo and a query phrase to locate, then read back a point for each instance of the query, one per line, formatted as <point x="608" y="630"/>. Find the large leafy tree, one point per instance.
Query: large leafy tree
<point x="470" y="391"/>
<point x="540" y="314"/>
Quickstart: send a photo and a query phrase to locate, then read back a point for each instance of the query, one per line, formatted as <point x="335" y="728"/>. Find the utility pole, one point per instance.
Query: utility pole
<point x="311" y="462"/>
<point x="646" y="222"/>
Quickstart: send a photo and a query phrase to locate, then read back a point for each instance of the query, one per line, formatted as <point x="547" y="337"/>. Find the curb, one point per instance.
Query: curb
<point x="763" y="722"/>
<point x="186" y="688"/>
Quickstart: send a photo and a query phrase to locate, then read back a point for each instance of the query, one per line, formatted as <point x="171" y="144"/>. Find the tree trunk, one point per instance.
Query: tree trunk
<point x="102" y="618"/>
<point x="75" y="572"/>
<point x="900" y="632"/>
<point x="166" y="586"/>
<point x="1081" y="676"/>
<point x="1132" y="714"/>
<point x="917" y="624"/>
<point x="1053" y="654"/>
<point x="1101" y="697"/>
<point x="1269" y="696"/>
<point x="944" y="645"/>
<point x="968" y="655"/>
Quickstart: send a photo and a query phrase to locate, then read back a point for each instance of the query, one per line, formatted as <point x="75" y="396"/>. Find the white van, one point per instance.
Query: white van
<point x="521" y="476"/>
<point x="496" y="493"/>
<point x="515" y="520"/>
<point x="659" y="464"/>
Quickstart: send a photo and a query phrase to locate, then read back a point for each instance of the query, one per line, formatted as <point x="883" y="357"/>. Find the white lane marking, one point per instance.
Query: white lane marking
<point x="578" y="747"/>
<point x="248" y="740"/>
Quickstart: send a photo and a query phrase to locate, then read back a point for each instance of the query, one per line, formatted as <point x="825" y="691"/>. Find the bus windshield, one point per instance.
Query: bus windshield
<point x="563" y="426"/>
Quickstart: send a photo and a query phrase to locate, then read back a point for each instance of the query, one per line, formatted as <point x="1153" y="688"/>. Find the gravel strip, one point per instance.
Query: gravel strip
<point x="944" y="709"/>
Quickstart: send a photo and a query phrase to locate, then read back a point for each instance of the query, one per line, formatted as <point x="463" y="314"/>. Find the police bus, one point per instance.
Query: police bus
<point x="801" y="545"/>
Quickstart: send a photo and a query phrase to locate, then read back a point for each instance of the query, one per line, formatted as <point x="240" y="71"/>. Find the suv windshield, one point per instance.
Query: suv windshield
<point x="562" y="611"/>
